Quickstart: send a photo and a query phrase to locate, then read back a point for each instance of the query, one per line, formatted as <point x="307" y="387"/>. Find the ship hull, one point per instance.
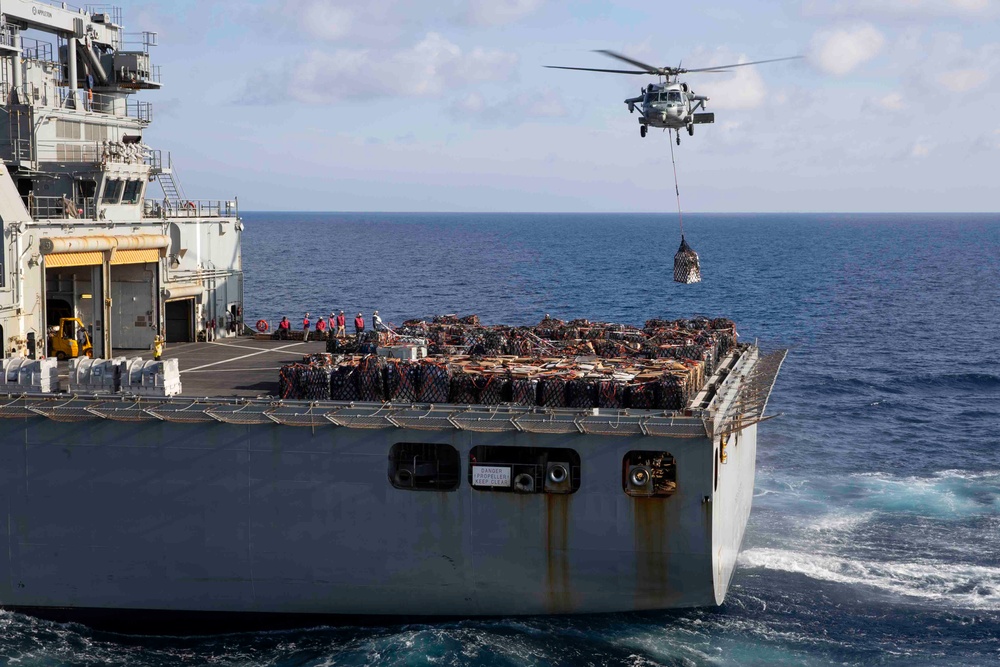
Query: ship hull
<point x="267" y="519"/>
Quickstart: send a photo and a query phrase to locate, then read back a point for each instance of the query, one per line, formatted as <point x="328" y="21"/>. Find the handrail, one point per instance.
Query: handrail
<point x="7" y="32"/>
<point x="59" y="208"/>
<point x="190" y="208"/>
<point x="260" y="412"/>
<point x="36" y="49"/>
<point x="104" y="104"/>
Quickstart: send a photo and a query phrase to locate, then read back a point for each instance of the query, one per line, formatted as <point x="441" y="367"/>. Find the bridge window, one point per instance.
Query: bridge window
<point x="649" y="474"/>
<point x="423" y="466"/>
<point x="112" y="191"/>
<point x="133" y="192"/>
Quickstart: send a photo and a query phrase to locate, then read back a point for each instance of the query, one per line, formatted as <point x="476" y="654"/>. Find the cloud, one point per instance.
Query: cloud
<point x="745" y="89"/>
<point x="963" y="80"/>
<point x="890" y="102"/>
<point x="921" y="148"/>
<point x="902" y="9"/>
<point x="499" y="12"/>
<point x="511" y="110"/>
<point x="382" y="21"/>
<point x="429" y="68"/>
<point x="841" y="50"/>
<point x="944" y="61"/>
<point x="322" y="19"/>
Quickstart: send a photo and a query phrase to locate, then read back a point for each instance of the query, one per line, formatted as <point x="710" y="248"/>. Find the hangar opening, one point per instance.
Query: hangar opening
<point x="110" y="283"/>
<point x="179" y="319"/>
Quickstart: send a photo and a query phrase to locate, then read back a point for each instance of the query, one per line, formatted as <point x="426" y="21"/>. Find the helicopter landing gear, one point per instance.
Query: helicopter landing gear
<point x="678" y="138"/>
<point x="642" y="130"/>
<point x="690" y="129"/>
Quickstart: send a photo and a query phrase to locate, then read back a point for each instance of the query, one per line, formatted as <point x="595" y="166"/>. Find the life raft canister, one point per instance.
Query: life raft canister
<point x="262" y="326"/>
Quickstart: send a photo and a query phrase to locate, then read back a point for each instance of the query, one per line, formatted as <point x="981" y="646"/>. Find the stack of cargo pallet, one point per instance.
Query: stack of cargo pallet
<point x="577" y="364"/>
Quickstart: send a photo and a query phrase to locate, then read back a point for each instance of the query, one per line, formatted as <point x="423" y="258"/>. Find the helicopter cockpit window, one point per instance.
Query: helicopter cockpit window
<point x="671" y="96"/>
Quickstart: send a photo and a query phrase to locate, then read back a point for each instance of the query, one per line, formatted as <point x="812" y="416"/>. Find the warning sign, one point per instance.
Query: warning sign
<point x="490" y="475"/>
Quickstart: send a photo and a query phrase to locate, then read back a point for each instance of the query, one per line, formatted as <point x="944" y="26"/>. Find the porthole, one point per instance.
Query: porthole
<point x="649" y="474"/>
<point x="421" y="466"/>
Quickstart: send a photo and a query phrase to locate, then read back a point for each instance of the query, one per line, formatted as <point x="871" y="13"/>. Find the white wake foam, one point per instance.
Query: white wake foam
<point x="953" y="584"/>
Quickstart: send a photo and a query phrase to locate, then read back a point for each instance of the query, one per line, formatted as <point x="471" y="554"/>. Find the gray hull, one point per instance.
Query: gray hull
<point x="112" y="508"/>
<point x="229" y="518"/>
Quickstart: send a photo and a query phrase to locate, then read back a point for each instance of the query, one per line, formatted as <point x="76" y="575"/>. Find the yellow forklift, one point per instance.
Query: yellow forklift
<point x="70" y="340"/>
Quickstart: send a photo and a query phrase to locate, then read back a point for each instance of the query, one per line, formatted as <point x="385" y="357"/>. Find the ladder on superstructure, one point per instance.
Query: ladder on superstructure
<point x="173" y="193"/>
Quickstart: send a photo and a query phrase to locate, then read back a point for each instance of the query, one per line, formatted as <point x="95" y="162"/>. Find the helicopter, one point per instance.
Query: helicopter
<point x="670" y="104"/>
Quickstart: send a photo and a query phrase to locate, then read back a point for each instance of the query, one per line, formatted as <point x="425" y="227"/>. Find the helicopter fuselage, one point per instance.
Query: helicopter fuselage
<point x="671" y="106"/>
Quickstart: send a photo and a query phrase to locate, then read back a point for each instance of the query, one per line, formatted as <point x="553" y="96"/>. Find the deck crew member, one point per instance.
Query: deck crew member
<point x="333" y="325"/>
<point x="359" y="326"/>
<point x="69" y="207"/>
<point x="305" y="328"/>
<point x="341" y="324"/>
<point x="284" y="326"/>
<point x="377" y="323"/>
<point x="320" y="328"/>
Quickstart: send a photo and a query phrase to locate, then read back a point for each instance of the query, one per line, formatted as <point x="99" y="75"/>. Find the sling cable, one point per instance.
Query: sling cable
<point x="687" y="267"/>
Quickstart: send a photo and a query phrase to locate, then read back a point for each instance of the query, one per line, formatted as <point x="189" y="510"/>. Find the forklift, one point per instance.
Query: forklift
<point x="70" y="340"/>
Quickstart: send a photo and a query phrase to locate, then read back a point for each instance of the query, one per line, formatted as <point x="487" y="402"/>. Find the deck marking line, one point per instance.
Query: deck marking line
<point x="245" y="356"/>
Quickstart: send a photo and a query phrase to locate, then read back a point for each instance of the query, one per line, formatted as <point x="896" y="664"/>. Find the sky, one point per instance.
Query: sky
<point x="395" y="105"/>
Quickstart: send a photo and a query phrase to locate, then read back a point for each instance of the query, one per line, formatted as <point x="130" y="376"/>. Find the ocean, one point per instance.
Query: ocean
<point x="875" y="531"/>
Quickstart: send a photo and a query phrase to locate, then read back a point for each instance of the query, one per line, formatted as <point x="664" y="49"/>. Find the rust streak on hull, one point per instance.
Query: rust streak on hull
<point x="652" y="560"/>
<point x="557" y="552"/>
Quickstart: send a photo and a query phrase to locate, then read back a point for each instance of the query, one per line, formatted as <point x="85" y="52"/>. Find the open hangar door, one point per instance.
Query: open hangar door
<point x="123" y="290"/>
<point x="72" y="289"/>
<point x="179" y="320"/>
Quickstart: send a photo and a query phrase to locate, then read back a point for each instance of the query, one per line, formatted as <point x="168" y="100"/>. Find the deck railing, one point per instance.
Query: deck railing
<point x="59" y="208"/>
<point x="190" y="208"/>
<point x="105" y="104"/>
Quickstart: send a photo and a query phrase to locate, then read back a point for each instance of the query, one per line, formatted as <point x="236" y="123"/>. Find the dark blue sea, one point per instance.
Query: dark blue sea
<point x="875" y="532"/>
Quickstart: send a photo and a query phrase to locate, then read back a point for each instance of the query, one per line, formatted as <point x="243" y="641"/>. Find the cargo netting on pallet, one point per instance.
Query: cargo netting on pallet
<point x="687" y="266"/>
<point x="555" y="364"/>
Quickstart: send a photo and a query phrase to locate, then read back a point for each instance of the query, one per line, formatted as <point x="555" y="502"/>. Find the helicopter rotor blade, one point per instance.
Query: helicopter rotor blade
<point x="592" y="69"/>
<point x="631" y="61"/>
<point x="721" y="68"/>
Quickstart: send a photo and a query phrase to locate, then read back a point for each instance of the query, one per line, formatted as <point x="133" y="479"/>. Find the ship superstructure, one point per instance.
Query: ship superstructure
<point x="95" y="223"/>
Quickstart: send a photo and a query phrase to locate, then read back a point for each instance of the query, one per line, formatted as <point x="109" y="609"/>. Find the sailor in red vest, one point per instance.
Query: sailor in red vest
<point x="359" y="326"/>
<point x="305" y="328"/>
<point x="333" y="325"/>
<point x="321" y="328"/>
<point x="341" y="324"/>
<point x="284" y="326"/>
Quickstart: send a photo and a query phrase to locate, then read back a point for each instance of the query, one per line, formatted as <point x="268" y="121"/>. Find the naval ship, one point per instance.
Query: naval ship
<point x="224" y="498"/>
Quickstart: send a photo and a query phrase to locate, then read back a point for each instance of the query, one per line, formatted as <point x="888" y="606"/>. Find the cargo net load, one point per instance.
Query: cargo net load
<point x="687" y="268"/>
<point x="555" y="364"/>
